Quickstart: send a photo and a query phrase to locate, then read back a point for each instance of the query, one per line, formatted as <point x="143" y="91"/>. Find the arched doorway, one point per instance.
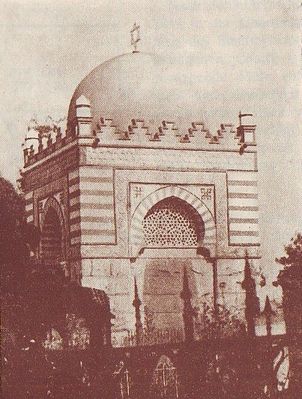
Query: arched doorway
<point x="172" y="230"/>
<point x="52" y="240"/>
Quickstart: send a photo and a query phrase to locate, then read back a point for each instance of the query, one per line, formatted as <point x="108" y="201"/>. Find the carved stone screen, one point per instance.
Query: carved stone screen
<point x="172" y="222"/>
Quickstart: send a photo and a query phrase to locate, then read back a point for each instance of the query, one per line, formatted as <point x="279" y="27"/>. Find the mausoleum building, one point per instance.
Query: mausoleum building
<point x="140" y="198"/>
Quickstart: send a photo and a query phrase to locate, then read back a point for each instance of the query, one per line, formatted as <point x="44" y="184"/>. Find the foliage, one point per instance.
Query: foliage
<point x="37" y="299"/>
<point x="12" y="219"/>
<point x="45" y="127"/>
<point x="29" y="294"/>
<point x="23" y="295"/>
<point x="293" y="252"/>
<point x="17" y="238"/>
<point x="219" y="323"/>
<point x="291" y="275"/>
<point x="290" y="279"/>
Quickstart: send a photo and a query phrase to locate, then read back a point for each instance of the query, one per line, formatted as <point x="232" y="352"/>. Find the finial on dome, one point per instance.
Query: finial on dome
<point x="135" y="36"/>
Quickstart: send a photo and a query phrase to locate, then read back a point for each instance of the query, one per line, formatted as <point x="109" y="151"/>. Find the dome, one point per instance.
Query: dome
<point x="139" y="86"/>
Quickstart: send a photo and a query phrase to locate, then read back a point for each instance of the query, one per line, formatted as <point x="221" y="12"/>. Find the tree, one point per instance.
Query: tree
<point x="12" y="218"/>
<point x="21" y="285"/>
<point x="36" y="299"/>
<point x="17" y="237"/>
<point x="290" y="279"/>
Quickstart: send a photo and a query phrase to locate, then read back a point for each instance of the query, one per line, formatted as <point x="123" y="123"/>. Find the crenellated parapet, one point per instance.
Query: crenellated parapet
<point x="105" y="132"/>
<point x="38" y="146"/>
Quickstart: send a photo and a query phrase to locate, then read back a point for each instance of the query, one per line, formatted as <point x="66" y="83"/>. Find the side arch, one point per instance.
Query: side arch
<point x="52" y="227"/>
<point x="136" y="233"/>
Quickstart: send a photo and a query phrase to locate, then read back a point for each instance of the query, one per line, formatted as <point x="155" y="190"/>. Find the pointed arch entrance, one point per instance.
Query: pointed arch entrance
<point x="166" y="229"/>
<point x="52" y="233"/>
<point x="182" y="201"/>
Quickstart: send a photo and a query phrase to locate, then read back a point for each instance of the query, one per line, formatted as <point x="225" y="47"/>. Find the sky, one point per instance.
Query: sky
<point x="247" y="52"/>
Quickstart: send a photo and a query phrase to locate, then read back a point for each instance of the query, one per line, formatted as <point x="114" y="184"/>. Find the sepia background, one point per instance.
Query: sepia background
<point x="240" y="55"/>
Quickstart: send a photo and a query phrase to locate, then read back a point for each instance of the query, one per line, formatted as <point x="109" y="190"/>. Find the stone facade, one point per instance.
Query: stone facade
<point x="134" y="203"/>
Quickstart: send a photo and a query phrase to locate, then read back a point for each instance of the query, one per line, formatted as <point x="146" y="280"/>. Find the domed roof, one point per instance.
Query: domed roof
<point x="140" y="86"/>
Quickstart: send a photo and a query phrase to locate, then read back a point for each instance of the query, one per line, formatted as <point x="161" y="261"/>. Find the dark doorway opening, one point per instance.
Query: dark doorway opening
<point x="51" y="239"/>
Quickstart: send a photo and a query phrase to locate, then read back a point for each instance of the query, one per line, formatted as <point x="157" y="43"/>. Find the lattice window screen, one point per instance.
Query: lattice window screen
<point x="172" y="222"/>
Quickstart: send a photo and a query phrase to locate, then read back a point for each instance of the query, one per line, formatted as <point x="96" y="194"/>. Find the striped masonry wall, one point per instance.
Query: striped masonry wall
<point x="29" y="207"/>
<point x="243" y="208"/>
<point x="91" y="206"/>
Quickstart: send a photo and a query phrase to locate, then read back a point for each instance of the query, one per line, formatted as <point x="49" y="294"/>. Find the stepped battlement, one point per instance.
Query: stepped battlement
<point x="167" y="135"/>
